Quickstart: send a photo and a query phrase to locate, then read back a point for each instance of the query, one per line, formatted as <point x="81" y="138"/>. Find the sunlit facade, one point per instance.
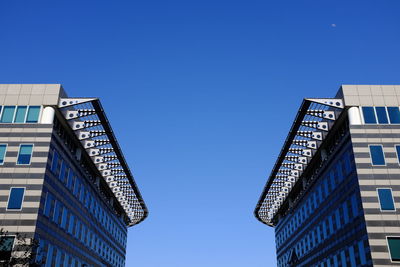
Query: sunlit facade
<point x="333" y="195"/>
<point x="64" y="180"/>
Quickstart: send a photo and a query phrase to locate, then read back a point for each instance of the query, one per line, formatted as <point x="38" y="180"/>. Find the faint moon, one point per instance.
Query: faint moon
<point x="333" y="25"/>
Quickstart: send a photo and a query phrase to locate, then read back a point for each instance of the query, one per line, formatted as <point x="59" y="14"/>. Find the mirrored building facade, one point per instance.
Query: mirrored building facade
<point x="333" y="195"/>
<point x="64" y="182"/>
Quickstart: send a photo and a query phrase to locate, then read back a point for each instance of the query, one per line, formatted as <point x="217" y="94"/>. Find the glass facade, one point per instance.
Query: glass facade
<point x="19" y="114"/>
<point x="381" y="115"/>
<point x="96" y="236"/>
<point x="317" y="231"/>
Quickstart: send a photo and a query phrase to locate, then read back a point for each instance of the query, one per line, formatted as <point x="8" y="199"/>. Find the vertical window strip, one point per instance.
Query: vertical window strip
<point x="386" y="200"/>
<point x="394" y="247"/>
<point x="377" y="155"/>
<point x="33" y="114"/>
<point x="8" y="114"/>
<point x="15" y="198"/>
<point x="381" y="115"/>
<point x="3" y="149"/>
<point x="394" y="115"/>
<point x="369" y="115"/>
<point x="25" y="154"/>
<point x="20" y="114"/>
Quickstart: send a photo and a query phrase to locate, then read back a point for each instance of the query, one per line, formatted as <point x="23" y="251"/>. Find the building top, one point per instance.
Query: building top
<point x="86" y="118"/>
<point x="312" y="125"/>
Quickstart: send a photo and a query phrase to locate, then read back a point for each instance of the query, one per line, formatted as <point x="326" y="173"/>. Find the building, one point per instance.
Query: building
<point x="333" y="195"/>
<point x="64" y="182"/>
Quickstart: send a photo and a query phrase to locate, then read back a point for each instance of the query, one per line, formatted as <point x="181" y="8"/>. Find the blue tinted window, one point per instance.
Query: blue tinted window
<point x="398" y="152"/>
<point x="15" y="198"/>
<point x="33" y="114"/>
<point x="8" y="114"/>
<point x="369" y="114"/>
<point x="386" y="199"/>
<point x="3" y="149"/>
<point x="394" y="114"/>
<point x="377" y="156"/>
<point x="381" y="113"/>
<point x="54" y="162"/>
<point x="25" y="154"/>
<point x="394" y="248"/>
<point x="48" y="204"/>
<point x="20" y="114"/>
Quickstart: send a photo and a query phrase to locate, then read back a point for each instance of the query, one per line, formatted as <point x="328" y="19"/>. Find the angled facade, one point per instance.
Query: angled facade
<point x="333" y="195"/>
<point x="64" y="181"/>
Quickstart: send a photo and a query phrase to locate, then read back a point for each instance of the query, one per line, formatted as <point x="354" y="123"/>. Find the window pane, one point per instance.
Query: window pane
<point x="20" y="114"/>
<point x="6" y="245"/>
<point x="33" y="114"/>
<point x="381" y="113"/>
<point x="386" y="199"/>
<point x="15" y="199"/>
<point x="394" y="248"/>
<point x="8" y="114"/>
<point x="25" y="154"/>
<point x="3" y="149"/>
<point x="369" y="114"/>
<point x="394" y="114"/>
<point x="377" y="155"/>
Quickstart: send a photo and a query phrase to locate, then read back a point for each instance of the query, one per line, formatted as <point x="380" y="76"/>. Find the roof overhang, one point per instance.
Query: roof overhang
<point x="312" y="124"/>
<point x="88" y="121"/>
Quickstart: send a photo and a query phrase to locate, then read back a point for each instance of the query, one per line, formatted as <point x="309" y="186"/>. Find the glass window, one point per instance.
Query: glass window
<point x="3" y="148"/>
<point x="16" y="197"/>
<point x="381" y="114"/>
<point x="394" y="247"/>
<point x="48" y="204"/>
<point x="377" y="156"/>
<point x="398" y="152"/>
<point x="33" y="114"/>
<point x="386" y="199"/>
<point x="6" y="245"/>
<point x="25" y="154"/>
<point x="8" y="114"/>
<point x="369" y="115"/>
<point x="394" y="114"/>
<point x="54" y="162"/>
<point x="20" y="114"/>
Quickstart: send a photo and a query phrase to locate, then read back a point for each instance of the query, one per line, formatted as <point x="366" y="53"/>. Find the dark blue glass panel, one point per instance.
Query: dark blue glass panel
<point x="377" y="156"/>
<point x="394" y="114"/>
<point x="15" y="198"/>
<point x="381" y="113"/>
<point x="25" y="154"/>
<point x="8" y="114"/>
<point x="369" y="115"/>
<point x="386" y="199"/>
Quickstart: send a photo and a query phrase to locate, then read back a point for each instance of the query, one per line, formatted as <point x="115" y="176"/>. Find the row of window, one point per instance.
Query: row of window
<point x="54" y="256"/>
<point x="70" y="223"/>
<point x="351" y="256"/>
<point x="378" y="156"/>
<point x="381" y="115"/>
<point x="75" y="184"/>
<point x="24" y="154"/>
<point x="19" y="114"/>
<point x="338" y="171"/>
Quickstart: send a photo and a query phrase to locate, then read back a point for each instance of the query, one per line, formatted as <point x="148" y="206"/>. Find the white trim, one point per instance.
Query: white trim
<point x="380" y="206"/>
<point x="19" y="150"/>
<point x="390" y="254"/>
<point x="5" y="152"/>
<point x="9" y="194"/>
<point x="370" y="156"/>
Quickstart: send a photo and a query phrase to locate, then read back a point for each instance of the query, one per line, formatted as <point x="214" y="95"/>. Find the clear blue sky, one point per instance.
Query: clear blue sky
<point x="201" y="95"/>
